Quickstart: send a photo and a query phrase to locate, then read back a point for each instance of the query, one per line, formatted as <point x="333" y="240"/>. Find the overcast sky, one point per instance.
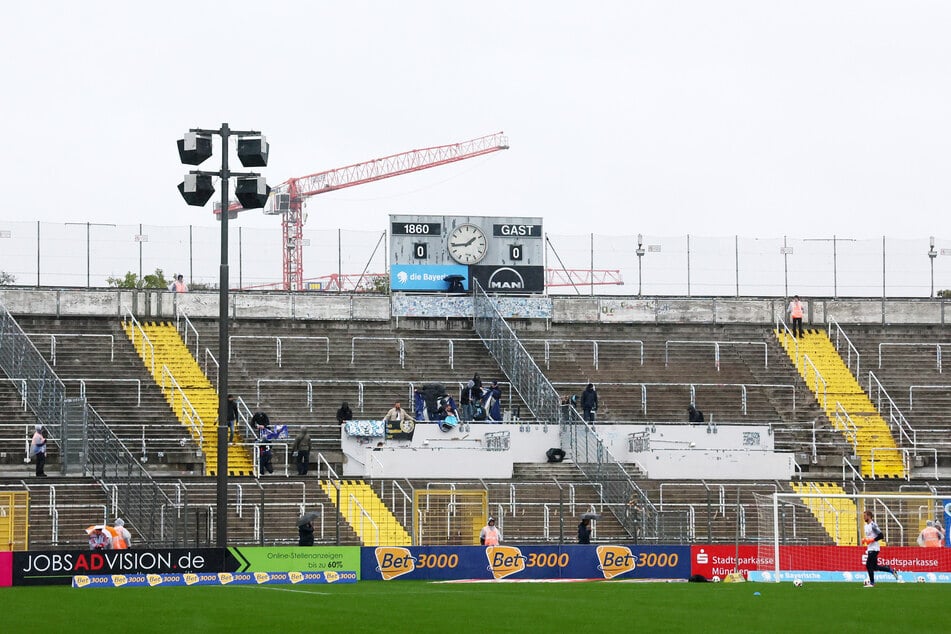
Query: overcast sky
<point x="714" y="118"/>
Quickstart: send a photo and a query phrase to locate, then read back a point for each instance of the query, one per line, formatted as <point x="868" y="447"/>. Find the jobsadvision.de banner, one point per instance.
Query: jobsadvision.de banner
<point x="59" y="567"/>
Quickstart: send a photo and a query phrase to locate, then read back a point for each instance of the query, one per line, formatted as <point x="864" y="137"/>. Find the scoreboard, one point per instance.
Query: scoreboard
<point x="505" y="254"/>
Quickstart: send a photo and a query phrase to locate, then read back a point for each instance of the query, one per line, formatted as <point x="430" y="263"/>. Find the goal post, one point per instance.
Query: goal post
<point x="822" y="533"/>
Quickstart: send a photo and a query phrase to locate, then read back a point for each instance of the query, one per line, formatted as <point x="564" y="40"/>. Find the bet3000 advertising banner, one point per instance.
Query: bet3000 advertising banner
<point x="525" y="562"/>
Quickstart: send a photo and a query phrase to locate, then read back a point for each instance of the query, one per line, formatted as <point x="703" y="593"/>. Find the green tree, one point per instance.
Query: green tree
<point x="131" y="280"/>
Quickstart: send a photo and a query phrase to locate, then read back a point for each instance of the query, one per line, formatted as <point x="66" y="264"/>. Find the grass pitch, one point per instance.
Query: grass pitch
<point x="422" y="607"/>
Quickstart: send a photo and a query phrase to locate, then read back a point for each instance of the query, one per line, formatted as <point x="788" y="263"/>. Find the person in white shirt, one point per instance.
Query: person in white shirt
<point x="873" y="535"/>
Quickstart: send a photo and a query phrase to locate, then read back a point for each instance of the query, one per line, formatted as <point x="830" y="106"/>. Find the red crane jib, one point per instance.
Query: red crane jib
<point x="303" y="187"/>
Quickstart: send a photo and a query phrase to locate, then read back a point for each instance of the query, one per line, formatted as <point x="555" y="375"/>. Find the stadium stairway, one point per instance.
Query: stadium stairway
<point x="872" y="436"/>
<point x="838" y="516"/>
<point x="367" y="514"/>
<point x="171" y="353"/>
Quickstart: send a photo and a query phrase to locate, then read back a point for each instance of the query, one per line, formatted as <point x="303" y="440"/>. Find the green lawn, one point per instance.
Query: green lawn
<point x="419" y="607"/>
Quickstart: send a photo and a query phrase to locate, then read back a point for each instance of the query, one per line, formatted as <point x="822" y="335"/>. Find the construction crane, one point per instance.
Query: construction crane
<point x="287" y="199"/>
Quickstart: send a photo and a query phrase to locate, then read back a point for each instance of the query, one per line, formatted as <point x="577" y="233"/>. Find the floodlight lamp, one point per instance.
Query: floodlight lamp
<point x="253" y="151"/>
<point x="196" y="189"/>
<point x="195" y="148"/>
<point x="252" y="192"/>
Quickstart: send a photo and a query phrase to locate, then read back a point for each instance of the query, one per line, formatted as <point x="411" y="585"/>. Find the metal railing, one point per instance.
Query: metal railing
<point x="891" y="413"/>
<point x="909" y="344"/>
<point x="54" y="336"/>
<point x="851" y="354"/>
<point x="912" y="388"/>
<point x="279" y="355"/>
<point x="716" y="349"/>
<point x="595" y="347"/>
<point x="578" y="437"/>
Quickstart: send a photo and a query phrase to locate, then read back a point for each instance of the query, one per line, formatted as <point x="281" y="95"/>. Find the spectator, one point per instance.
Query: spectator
<point x="694" y="415"/>
<point x="232" y="417"/>
<point x="344" y="413"/>
<point x="178" y="285"/>
<point x="589" y="402"/>
<point x="796" y="311"/>
<point x="475" y="389"/>
<point x="490" y="535"/>
<point x="492" y="402"/>
<point x="38" y="450"/>
<point x="122" y="538"/>
<point x="931" y="536"/>
<point x="419" y="404"/>
<point x="465" y="404"/>
<point x="262" y="423"/>
<point x="584" y="531"/>
<point x="397" y="414"/>
<point x="305" y="534"/>
<point x="302" y="451"/>
<point x="99" y="538"/>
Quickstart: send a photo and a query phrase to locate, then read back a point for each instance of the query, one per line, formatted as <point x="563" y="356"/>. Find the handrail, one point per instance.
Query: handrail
<point x="818" y="377"/>
<point x="331" y="474"/>
<point x="23" y="386"/>
<point x="279" y="345"/>
<point x="595" y="347"/>
<point x="83" y="381"/>
<point x="716" y="349"/>
<point x="912" y="388"/>
<point x="841" y="421"/>
<point x="787" y="334"/>
<point x="364" y="515"/>
<point x="137" y="327"/>
<point x="851" y="348"/>
<point x="895" y="416"/>
<point x="189" y="415"/>
<point x="855" y="473"/>
<point x="905" y="459"/>
<point x="54" y="335"/>
<point x="692" y="386"/>
<point x="179" y="314"/>
<point x="209" y="353"/>
<point x="913" y="344"/>
<point x="401" y="343"/>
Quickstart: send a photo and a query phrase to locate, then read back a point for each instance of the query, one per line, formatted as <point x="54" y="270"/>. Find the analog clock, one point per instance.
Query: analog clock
<point x="467" y="244"/>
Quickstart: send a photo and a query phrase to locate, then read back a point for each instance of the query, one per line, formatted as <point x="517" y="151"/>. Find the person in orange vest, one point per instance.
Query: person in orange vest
<point x="490" y="535"/>
<point x="178" y="284"/>
<point x="931" y="535"/>
<point x="795" y="314"/>
<point x="121" y="538"/>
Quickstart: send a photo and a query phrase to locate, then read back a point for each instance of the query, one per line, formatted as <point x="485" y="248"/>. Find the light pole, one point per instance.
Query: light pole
<point x="640" y="258"/>
<point x="932" y="254"/>
<point x="251" y="191"/>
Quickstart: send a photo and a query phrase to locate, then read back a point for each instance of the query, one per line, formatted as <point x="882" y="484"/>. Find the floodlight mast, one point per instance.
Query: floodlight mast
<point x="225" y="174"/>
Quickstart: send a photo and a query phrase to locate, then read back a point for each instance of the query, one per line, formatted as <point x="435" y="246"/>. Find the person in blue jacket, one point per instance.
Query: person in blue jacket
<point x="492" y="402"/>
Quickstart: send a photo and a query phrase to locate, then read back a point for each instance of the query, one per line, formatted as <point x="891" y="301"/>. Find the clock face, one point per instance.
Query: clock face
<point x="467" y="244"/>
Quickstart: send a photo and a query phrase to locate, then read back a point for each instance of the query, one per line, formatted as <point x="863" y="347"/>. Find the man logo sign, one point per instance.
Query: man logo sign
<point x="506" y="278"/>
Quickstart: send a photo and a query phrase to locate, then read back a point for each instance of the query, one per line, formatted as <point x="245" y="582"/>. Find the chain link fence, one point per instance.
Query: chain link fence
<point x="86" y="254"/>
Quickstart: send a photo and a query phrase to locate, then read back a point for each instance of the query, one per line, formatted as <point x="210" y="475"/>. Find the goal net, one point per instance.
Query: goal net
<point x="818" y="535"/>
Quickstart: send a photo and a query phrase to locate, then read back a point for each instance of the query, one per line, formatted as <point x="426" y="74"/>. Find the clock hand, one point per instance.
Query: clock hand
<point x="464" y="244"/>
